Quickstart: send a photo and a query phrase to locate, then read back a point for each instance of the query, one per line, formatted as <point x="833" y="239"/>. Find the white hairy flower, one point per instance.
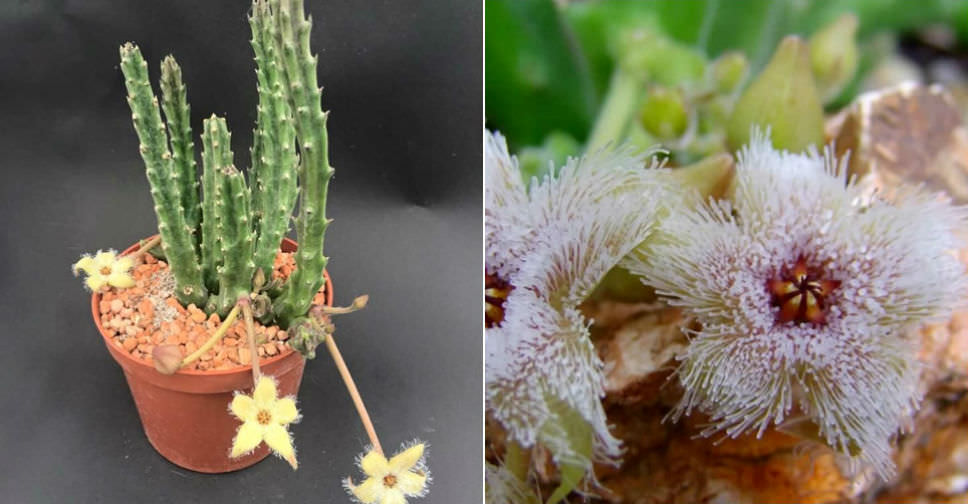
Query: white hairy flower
<point x="804" y="288"/>
<point x="547" y="247"/>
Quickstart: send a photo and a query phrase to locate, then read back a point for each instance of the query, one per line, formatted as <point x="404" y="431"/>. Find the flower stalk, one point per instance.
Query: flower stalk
<point x="214" y="338"/>
<point x="344" y="373"/>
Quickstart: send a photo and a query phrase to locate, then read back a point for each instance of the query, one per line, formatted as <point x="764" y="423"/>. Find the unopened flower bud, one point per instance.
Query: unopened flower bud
<point x="729" y="70"/>
<point x="664" y="113"/>
<point x="833" y="56"/>
<point x="166" y="358"/>
<point x="783" y="98"/>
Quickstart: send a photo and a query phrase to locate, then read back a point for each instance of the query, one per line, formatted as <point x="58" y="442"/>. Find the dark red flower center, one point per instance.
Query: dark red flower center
<point x="801" y="294"/>
<point x="496" y="291"/>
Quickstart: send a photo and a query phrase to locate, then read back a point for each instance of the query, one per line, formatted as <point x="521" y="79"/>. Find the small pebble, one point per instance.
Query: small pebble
<point x="137" y="320"/>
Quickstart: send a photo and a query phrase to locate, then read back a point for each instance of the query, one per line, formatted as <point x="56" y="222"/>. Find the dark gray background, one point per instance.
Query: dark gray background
<point x="403" y="82"/>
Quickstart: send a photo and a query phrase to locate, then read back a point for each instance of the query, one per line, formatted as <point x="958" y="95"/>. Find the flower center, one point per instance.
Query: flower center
<point x="496" y="291"/>
<point x="106" y="270"/>
<point x="800" y="294"/>
<point x="263" y="417"/>
<point x="389" y="481"/>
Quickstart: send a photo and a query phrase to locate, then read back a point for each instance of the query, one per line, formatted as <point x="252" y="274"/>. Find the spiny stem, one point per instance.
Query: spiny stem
<point x="219" y="333"/>
<point x="354" y="393"/>
<point x="250" y="331"/>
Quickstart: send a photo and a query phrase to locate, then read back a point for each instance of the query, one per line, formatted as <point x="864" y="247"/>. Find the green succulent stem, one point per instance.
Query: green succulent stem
<point x="176" y="234"/>
<point x="274" y="173"/>
<point x="236" y="239"/>
<point x="216" y="154"/>
<point x="303" y="93"/>
<point x="174" y="102"/>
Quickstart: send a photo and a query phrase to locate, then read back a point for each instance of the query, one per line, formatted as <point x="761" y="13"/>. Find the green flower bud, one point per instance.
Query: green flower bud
<point x="833" y="56"/>
<point x="654" y="57"/>
<point x="664" y="113"/>
<point x="784" y="98"/>
<point x="556" y="149"/>
<point x="729" y="70"/>
<point x="711" y="176"/>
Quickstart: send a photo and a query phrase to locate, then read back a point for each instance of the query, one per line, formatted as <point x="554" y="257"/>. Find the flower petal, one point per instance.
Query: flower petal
<point x="104" y="259"/>
<point x="123" y="264"/>
<point x="95" y="281"/>
<point x="120" y="279"/>
<point x="393" y="496"/>
<point x="284" y="411"/>
<point x="265" y="392"/>
<point x="279" y="439"/>
<point x="374" y="464"/>
<point x="405" y="460"/>
<point x="243" y="407"/>
<point x="246" y="439"/>
<point x="85" y="264"/>
<point x="411" y="484"/>
<point x="368" y="492"/>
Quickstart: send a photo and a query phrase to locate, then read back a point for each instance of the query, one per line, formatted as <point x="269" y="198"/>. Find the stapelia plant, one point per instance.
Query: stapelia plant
<point x="221" y="237"/>
<point x="223" y="246"/>
<point x="804" y="286"/>
<point x="547" y="247"/>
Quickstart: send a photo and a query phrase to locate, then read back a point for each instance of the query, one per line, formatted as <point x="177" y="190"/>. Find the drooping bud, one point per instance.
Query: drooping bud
<point x="360" y="302"/>
<point x="833" y="56"/>
<point x="166" y="358"/>
<point x="729" y="70"/>
<point x="664" y="113"/>
<point x="783" y="98"/>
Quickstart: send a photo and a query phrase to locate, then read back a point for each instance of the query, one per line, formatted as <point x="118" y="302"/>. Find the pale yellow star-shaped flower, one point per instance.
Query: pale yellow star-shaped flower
<point x="264" y="417"/>
<point x="391" y="481"/>
<point x="105" y="268"/>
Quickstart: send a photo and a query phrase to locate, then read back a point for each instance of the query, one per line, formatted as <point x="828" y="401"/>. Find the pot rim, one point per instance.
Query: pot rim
<point x="96" y="313"/>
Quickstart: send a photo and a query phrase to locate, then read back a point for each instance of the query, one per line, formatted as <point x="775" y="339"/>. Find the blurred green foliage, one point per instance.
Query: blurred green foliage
<point x="548" y="66"/>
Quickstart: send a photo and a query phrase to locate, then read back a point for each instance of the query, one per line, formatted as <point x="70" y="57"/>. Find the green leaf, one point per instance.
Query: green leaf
<point x="536" y="79"/>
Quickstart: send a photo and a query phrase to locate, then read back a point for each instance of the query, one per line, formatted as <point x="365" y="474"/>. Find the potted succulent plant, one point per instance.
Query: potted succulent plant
<point x="229" y="304"/>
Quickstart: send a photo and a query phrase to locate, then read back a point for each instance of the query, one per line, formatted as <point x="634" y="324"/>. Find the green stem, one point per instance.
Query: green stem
<point x="176" y="235"/>
<point x="618" y="109"/>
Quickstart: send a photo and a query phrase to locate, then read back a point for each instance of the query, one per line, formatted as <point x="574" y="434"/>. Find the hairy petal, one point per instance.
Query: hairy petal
<point x="246" y="439"/>
<point x="507" y="225"/>
<point x="585" y="219"/>
<point x="892" y="260"/>
<point x="243" y="407"/>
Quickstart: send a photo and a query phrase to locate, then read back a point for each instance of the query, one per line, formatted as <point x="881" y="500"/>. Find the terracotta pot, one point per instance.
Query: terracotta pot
<point x="185" y="415"/>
